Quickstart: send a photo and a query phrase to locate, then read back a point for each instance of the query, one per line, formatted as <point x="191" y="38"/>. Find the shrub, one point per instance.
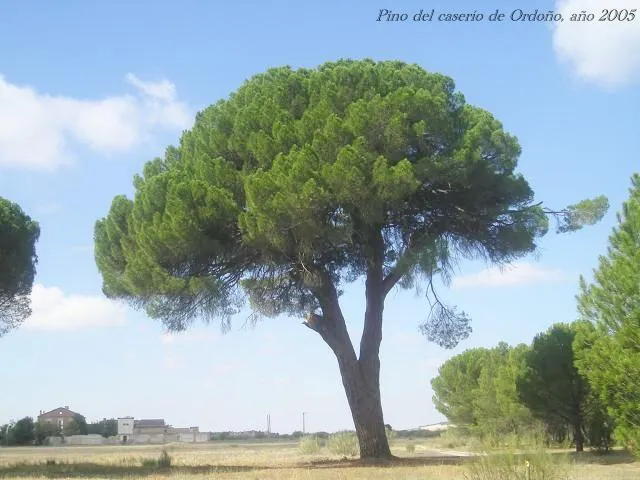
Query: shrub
<point x="309" y="445"/>
<point x="343" y="443"/>
<point x="163" y="461"/>
<point x="455" y="437"/>
<point x="538" y="465"/>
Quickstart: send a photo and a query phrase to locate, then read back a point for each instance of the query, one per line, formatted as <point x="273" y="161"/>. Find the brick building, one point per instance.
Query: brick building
<point x="60" y="416"/>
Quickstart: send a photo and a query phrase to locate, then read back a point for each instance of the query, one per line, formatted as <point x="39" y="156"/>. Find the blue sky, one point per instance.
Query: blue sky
<point x="90" y="91"/>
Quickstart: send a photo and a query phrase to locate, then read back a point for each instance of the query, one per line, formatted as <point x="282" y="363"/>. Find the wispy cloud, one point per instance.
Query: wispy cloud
<point x="607" y="52"/>
<point x="516" y="274"/>
<point x="36" y="128"/>
<point x="55" y="310"/>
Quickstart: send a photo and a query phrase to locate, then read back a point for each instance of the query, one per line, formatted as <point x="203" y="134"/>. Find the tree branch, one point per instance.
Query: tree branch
<point x="330" y="325"/>
<point x="392" y="279"/>
<point x="398" y="270"/>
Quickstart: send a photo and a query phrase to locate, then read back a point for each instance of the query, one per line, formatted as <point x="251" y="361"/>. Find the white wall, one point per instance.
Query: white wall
<point x="125" y="426"/>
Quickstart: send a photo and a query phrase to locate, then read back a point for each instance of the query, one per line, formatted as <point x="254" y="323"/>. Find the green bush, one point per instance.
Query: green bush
<point x="163" y="461"/>
<point x="538" y="465"/>
<point x="309" y="445"/>
<point x="456" y="437"/>
<point x="343" y="443"/>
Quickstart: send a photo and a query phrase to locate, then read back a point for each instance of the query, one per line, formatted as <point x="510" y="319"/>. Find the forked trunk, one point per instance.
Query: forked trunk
<point x="360" y="376"/>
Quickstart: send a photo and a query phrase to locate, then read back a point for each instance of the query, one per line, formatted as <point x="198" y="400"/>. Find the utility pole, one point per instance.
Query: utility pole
<point x="303" y="426"/>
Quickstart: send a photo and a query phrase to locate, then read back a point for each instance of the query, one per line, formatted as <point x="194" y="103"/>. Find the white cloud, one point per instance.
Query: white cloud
<point x="516" y="274"/>
<point x="606" y="53"/>
<point x="52" y="310"/>
<point x="36" y="128"/>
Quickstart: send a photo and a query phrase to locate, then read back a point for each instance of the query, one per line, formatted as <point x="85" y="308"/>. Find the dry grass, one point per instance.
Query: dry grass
<point x="278" y="460"/>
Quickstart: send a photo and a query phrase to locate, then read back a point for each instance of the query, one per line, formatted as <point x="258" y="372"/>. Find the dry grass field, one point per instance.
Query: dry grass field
<point x="275" y="460"/>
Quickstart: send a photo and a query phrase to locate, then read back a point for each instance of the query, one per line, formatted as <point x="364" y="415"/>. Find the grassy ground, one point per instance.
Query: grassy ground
<point x="278" y="460"/>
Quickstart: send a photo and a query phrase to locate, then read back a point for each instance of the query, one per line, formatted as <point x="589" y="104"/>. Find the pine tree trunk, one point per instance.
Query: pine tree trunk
<point x="360" y="375"/>
<point x="363" y="395"/>
<point x="578" y="437"/>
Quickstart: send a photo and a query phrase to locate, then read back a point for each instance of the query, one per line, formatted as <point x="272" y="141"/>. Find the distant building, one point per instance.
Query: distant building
<point x="183" y="430"/>
<point x="60" y="416"/>
<point x="157" y="431"/>
<point x="436" y="427"/>
<point x="125" y="429"/>
<point x="150" y="427"/>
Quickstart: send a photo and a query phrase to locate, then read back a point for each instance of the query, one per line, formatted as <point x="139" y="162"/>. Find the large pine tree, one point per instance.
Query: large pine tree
<point x="304" y="181"/>
<point x="608" y="346"/>
<point x="18" y="237"/>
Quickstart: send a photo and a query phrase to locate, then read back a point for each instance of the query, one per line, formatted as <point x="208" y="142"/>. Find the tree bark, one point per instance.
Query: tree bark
<point x="578" y="437"/>
<point x="360" y="377"/>
<point x="363" y="395"/>
<point x="361" y="381"/>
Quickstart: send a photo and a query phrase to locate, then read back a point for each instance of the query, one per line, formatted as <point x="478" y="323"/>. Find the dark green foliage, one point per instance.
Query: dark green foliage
<point x="599" y="425"/>
<point x="23" y="432"/>
<point x="77" y="426"/>
<point x="608" y="343"/>
<point x="44" y="430"/>
<point x="456" y="386"/>
<point x="586" y="212"/>
<point x="506" y="390"/>
<point x="163" y="461"/>
<point x="551" y="385"/>
<point x="553" y="389"/>
<point x="477" y="388"/>
<point x="290" y="180"/>
<point x="5" y="434"/>
<point x="18" y="237"/>
<point x="304" y="181"/>
<point x="105" y="427"/>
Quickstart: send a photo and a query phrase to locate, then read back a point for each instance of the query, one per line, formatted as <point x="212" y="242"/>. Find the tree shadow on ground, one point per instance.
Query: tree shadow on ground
<point x="91" y="470"/>
<point x="416" y="461"/>
<point x="613" y="457"/>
